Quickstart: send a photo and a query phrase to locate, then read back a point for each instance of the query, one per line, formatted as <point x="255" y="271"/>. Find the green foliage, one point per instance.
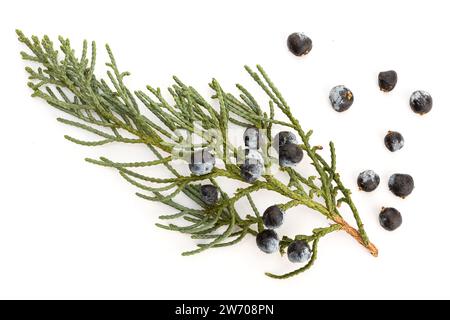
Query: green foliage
<point x="108" y="109"/>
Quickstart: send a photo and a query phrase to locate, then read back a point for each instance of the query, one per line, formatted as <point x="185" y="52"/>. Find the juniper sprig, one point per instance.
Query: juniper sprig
<point x="110" y="110"/>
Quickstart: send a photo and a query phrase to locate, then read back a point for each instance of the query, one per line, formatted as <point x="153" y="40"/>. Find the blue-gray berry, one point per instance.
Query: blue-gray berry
<point x="202" y="162"/>
<point x="390" y="219"/>
<point x="290" y="154"/>
<point x="273" y="217"/>
<point x="421" y="102"/>
<point x="254" y="155"/>
<point x="267" y="241"/>
<point x="341" y="98"/>
<point x="368" y="180"/>
<point x="299" y="251"/>
<point x="209" y="194"/>
<point x="394" y="141"/>
<point x="282" y="138"/>
<point x="401" y="184"/>
<point x="252" y="166"/>
<point x="252" y="138"/>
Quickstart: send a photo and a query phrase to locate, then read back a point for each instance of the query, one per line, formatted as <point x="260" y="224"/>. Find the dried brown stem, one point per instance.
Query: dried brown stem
<point x="355" y="234"/>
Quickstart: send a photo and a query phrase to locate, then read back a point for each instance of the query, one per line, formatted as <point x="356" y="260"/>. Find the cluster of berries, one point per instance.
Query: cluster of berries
<point x="400" y="184"/>
<point x="290" y="154"/>
<point x="252" y="167"/>
<point x="341" y="99"/>
<point x="286" y="144"/>
<point x="268" y="241"/>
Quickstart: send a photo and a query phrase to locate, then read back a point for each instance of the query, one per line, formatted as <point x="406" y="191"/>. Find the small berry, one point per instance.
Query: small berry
<point x="202" y="162"/>
<point x="267" y="241"/>
<point x="390" y="218"/>
<point x="251" y="170"/>
<point x="252" y="138"/>
<point x="254" y="155"/>
<point x="273" y="217"/>
<point x="341" y="98"/>
<point x="290" y="154"/>
<point x="282" y="138"/>
<point x="209" y="194"/>
<point x="387" y="80"/>
<point x="368" y="180"/>
<point x="299" y="251"/>
<point x="394" y="141"/>
<point x="421" y="102"/>
<point x="299" y="44"/>
<point x="401" y="184"/>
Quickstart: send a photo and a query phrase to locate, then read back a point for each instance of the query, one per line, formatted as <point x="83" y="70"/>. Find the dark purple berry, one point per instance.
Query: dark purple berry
<point x="421" y="102"/>
<point x="209" y="194"/>
<point x="387" y="80"/>
<point x="394" y="141"/>
<point x="390" y="218"/>
<point x="282" y="138"/>
<point x="299" y="251"/>
<point x="267" y="241"/>
<point x="290" y="154"/>
<point x="252" y="138"/>
<point x="368" y="180"/>
<point x="299" y="44"/>
<point x="202" y="162"/>
<point x="401" y="184"/>
<point x="273" y="217"/>
<point x="251" y="169"/>
<point x="341" y="98"/>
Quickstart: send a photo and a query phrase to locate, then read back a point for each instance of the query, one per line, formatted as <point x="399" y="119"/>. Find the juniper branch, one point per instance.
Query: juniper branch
<point x="107" y="108"/>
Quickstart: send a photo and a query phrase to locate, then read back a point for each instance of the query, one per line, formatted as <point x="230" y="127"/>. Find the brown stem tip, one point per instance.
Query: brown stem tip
<point x="355" y="234"/>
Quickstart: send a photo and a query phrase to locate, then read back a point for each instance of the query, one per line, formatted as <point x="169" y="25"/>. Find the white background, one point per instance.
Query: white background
<point x="69" y="229"/>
